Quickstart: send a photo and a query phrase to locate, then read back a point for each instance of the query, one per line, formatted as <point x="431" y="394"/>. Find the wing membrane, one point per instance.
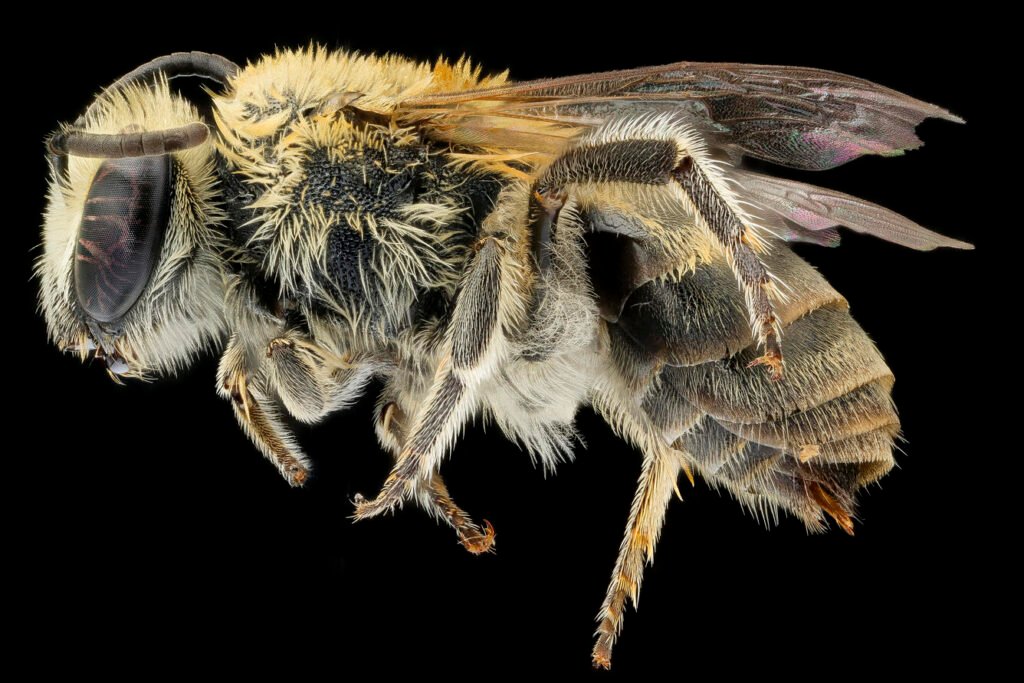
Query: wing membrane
<point x="793" y="116"/>
<point x="818" y="209"/>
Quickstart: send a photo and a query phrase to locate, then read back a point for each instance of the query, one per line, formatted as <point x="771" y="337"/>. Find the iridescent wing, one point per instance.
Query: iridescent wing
<point x="812" y="214"/>
<point x="793" y="116"/>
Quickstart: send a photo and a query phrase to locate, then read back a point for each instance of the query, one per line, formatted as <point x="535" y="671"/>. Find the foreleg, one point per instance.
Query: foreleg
<point x="311" y="381"/>
<point x="237" y="381"/>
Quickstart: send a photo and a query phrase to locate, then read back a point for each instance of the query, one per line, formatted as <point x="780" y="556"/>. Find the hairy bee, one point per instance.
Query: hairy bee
<point x="509" y="251"/>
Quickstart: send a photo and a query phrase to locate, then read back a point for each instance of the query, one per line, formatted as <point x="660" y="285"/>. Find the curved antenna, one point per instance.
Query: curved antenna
<point x="120" y="145"/>
<point x="181" y="64"/>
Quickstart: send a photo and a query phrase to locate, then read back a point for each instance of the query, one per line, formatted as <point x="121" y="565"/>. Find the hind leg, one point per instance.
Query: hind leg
<point x="657" y="483"/>
<point x="655" y="151"/>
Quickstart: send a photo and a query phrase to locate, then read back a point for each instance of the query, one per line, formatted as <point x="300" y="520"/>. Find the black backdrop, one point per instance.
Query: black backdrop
<point x="145" y="509"/>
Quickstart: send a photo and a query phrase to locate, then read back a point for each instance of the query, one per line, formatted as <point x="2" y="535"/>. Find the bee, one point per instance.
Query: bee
<point x="499" y="251"/>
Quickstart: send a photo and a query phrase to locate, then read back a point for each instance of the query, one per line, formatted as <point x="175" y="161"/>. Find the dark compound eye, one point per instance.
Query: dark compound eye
<point x="122" y="229"/>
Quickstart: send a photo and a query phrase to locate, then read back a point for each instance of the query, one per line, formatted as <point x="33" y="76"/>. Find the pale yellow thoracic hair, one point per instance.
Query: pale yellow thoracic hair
<point x="281" y="110"/>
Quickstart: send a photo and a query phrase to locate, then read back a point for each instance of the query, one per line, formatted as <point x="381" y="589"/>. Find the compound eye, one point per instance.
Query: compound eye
<point x="122" y="229"/>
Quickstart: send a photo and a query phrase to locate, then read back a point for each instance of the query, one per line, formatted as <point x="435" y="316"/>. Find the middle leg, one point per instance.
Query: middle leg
<point x="488" y="303"/>
<point x="312" y="382"/>
<point x="432" y="495"/>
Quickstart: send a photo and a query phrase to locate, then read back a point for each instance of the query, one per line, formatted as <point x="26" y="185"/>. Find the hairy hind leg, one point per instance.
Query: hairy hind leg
<point x="662" y="151"/>
<point x="657" y="483"/>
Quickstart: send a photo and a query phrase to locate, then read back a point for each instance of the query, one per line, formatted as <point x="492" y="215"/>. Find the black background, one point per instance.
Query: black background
<point x="145" y="509"/>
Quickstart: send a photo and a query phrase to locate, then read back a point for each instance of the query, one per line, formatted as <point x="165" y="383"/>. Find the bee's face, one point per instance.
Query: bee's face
<point x="131" y="269"/>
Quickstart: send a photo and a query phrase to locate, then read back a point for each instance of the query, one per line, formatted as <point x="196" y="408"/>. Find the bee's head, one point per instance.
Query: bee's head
<point x="131" y="269"/>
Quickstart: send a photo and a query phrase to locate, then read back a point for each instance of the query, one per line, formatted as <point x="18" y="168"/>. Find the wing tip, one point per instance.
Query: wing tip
<point x="947" y="115"/>
<point x="934" y="112"/>
<point x="957" y="244"/>
<point x="927" y="110"/>
<point x="939" y="241"/>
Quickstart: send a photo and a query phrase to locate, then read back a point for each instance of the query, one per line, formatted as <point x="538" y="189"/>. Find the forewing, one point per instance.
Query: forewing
<point x="798" y="117"/>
